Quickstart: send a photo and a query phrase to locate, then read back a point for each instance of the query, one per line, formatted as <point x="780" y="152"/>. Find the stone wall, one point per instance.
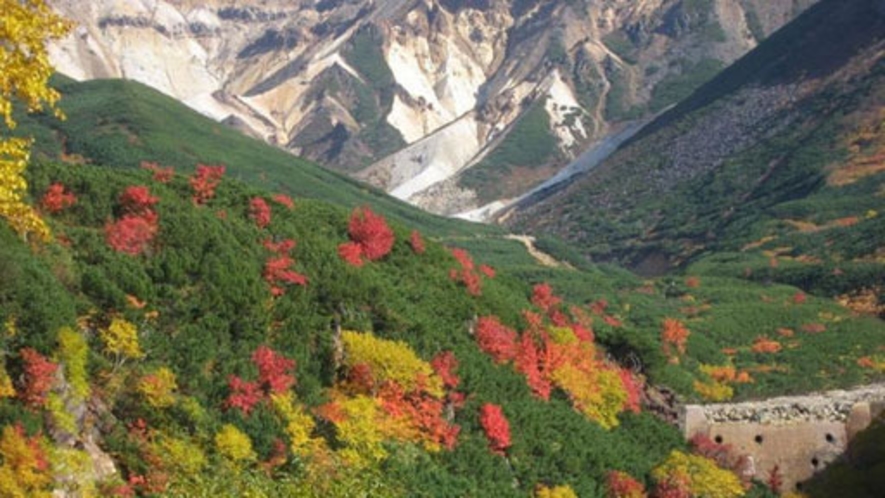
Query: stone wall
<point x="800" y="435"/>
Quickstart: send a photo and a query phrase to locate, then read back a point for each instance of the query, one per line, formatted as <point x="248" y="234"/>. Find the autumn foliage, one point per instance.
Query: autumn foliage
<point x="259" y="211"/>
<point x="370" y="237"/>
<point x="561" y="354"/>
<point x="674" y="336"/>
<point x="133" y="233"/>
<point x="204" y="181"/>
<point x="275" y="376"/>
<point x="417" y="242"/>
<point x="278" y="267"/>
<point x="160" y="174"/>
<point x="623" y="485"/>
<point x="57" y="199"/>
<point x="39" y="374"/>
<point x="25" y="470"/>
<point x="496" y="427"/>
<point x="467" y="273"/>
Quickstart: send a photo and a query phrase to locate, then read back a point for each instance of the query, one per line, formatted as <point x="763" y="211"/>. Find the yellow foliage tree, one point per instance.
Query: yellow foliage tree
<point x="7" y="390"/>
<point x="25" y="470"/>
<point x="299" y="425"/>
<point x="24" y="75"/>
<point x="121" y="340"/>
<point x="702" y="475"/>
<point x="390" y="360"/>
<point x="234" y="445"/>
<point x="556" y="492"/>
<point x="73" y="353"/>
<point x="158" y="388"/>
<point x="361" y="431"/>
<point x="181" y="456"/>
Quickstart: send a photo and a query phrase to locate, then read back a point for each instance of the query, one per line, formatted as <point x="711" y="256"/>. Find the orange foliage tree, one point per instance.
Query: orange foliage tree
<point x="674" y="336"/>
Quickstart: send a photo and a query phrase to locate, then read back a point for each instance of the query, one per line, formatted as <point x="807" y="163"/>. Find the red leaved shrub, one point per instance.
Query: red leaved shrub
<point x="39" y="374"/>
<point x="56" y="199"/>
<point x="417" y="242"/>
<point x="204" y="181"/>
<point x="496" y="339"/>
<point x="259" y="211"/>
<point x="496" y="427"/>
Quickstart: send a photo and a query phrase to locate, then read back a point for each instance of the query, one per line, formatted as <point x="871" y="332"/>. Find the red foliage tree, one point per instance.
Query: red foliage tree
<point x="633" y="388"/>
<point x="467" y="274"/>
<point x="204" y="181"/>
<point x="137" y="200"/>
<point x="259" y="211"/>
<point x="422" y="411"/>
<point x="529" y="363"/>
<point x="672" y="488"/>
<point x="487" y="270"/>
<point x="623" y="485"/>
<point x="543" y="297"/>
<point x="417" y="242"/>
<point x="277" y="270"/>
<point x="351" y="253"/>
<point x="445" y="364"/>
<point x="39" y="374"/>
<point x="243" y="395"/>
<point x="274" y="370"/>
<point x="131" y="234"/>
<point x="371" y="232"/>
<point x="162" y="175"/>
<point x="56" y="199"/>
<point x="496" y="427"/>
<point x="284" y="200"/>
<point x="496" y="339"/>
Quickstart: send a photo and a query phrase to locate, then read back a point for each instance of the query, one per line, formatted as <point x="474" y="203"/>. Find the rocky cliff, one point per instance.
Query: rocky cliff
<point x="449" y="104"/>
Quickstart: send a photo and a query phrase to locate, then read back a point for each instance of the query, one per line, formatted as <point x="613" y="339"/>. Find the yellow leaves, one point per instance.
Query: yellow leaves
<point x="564" y="491"/>
<point x="73" y="353"/>
<point x="7" y="390"/>
<point x="25" y="470"/>
<point x="158" y="388"/>
<point x="562" y="335"/>
<point x="234" y="445"/>
<point x="10" y="328"/>
<point x="24" y="75"/>
<point x="713" y="390"/>
<point x="361" y="431"/>
<point x="180" y="455"/>
<point x="299" y="424"/>
<point x="121" y="339"/>
<point x="701" y="475"/>
<point x="390" y="361"/>
<point x="600" y="399"/>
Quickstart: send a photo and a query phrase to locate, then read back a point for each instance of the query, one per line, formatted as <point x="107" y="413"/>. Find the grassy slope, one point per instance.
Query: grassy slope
<point x="120" y="123"/>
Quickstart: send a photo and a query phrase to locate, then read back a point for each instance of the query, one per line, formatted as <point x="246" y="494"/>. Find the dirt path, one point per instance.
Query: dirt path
<point x="541" y="257"/>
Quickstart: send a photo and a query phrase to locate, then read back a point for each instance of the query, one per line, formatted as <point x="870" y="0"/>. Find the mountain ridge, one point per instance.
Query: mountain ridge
<point x="354" y="84"/>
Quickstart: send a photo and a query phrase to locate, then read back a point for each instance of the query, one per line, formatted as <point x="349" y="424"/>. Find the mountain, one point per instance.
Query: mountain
<point x="773" y="170"/>
<point x="448" y="104"/>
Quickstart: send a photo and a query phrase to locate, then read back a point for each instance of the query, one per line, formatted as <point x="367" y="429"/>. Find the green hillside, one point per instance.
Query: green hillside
<point x="148" y="341"/>
<point x="122" y="123"/>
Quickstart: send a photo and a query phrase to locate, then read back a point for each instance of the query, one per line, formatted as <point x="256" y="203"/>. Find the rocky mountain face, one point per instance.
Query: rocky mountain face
<point x="780" y="155"/>
<point x="448" y="104"/>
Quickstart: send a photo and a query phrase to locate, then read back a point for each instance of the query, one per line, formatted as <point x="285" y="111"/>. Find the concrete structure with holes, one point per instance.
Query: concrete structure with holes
<point x="800" y="435"/>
